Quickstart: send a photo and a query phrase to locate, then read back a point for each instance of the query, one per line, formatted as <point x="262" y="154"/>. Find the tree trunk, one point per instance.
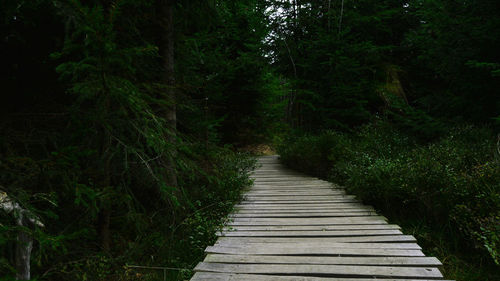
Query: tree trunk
<point x="166" y="48"/>
<point x="24" y="246"/>
<point x="328" y="14"/>
<point x="340" y="19"/>
<point x="104" y="231"/>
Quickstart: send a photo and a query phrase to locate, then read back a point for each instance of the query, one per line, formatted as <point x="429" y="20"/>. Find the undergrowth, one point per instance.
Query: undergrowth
<point x="446" y="192"/>
<point x="160" y="233"/>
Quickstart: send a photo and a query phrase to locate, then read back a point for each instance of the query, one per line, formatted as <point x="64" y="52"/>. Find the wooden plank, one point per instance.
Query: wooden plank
<point x="280" y="176"/>
<point x="292" y="188"/>
<point x="285" y="174"/>
<point x="318" y="270"/>
<point x="313" y="244"/>
<point x="292" y="182"/>
<point x="310" y="233"/>
<point x="315" y="227"/>
<point x="298" y="197"/>
<point x="280" y="194"/>
<point x="305" y="209"/>
<point x="413" y="261"/>
<point x="286" y="180"/>
<point x="296" y="192"/>
<point x="276" y="172"/>
<point x="299" y="204"/>
<point x="258" y="223"/>
<point x="278" y="250"/>
<point x="302" y="211"/>
<point x="296" y="186"/>
<point x="333" y="208"/>
<point x="326" y="221"/>
<point x="326" y="201"/>
<point x="338" y="206"/>
<point x="269" y="172"/>
<point x="217" y="276"/>
<point x="308" y="215"/>
<point x="345" y="239"/>
<point x="288" y="195"/>
<point x="284" y="177"/>
<point x="273" y="187"/>
<point x="311" y="207"/>
<point x="295" y="189"/>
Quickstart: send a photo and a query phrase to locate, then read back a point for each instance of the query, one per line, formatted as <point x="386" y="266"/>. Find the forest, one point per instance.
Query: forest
<point x="129" y="128"/>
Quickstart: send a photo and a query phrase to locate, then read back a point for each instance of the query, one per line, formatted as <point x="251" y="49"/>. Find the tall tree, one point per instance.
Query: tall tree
<point x="166" y="45"/>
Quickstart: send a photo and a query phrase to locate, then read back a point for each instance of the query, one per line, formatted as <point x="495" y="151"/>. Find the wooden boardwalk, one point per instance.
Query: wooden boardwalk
<point x="294" y="227"/>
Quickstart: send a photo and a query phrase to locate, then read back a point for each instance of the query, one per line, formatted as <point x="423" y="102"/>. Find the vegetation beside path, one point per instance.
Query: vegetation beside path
<point x="445" y="192"/>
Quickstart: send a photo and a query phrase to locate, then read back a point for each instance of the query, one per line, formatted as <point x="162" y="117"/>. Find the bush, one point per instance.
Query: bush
<point x="453" y="182"/>
<point x="172" y="234"/>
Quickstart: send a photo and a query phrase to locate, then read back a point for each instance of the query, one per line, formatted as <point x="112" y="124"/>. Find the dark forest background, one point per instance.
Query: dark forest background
<point x="128" y="128"/>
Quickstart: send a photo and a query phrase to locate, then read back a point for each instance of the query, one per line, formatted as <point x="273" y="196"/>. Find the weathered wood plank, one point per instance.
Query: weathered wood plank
<point x="284" y="194"/>
<point x="291" y="187"/>
<point x="299" y="186"/>
<point x="302" y="211"/>
<point x="299" y="199"/>
<point x="325" y="201"/>
<point x="255" y="193"/>
<point x="295" y="184"/>
<point x="275" y="173"/>
<point x="289" y="181"/>
<point x="276" y="188"/>
<point x="413" y="261"/>
<point x="279" y="176"/>
<point x="280" y="250"/>
<point x="299" y="206"/>
<point x="257" y="223"/>
<point x="313" y="244"/>
<point x="310" y="233"/>
<point x="345" y="239"/>
<point x="312" y="212"/>
<point x="295" y="188"/>
<point x="292" y="182"/>
<point x="353" y="220"/>
<point x="316" y="269"/>
<point x="217" y="276"/>
<point x="308" y="215"/>
<point x="314" y="227"/>
<point x="317" y="198"/>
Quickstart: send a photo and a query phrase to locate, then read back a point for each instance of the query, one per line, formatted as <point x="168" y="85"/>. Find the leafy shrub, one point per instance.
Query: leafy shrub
<point x="453" y="182"/>
<point x="211" y="181"/>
